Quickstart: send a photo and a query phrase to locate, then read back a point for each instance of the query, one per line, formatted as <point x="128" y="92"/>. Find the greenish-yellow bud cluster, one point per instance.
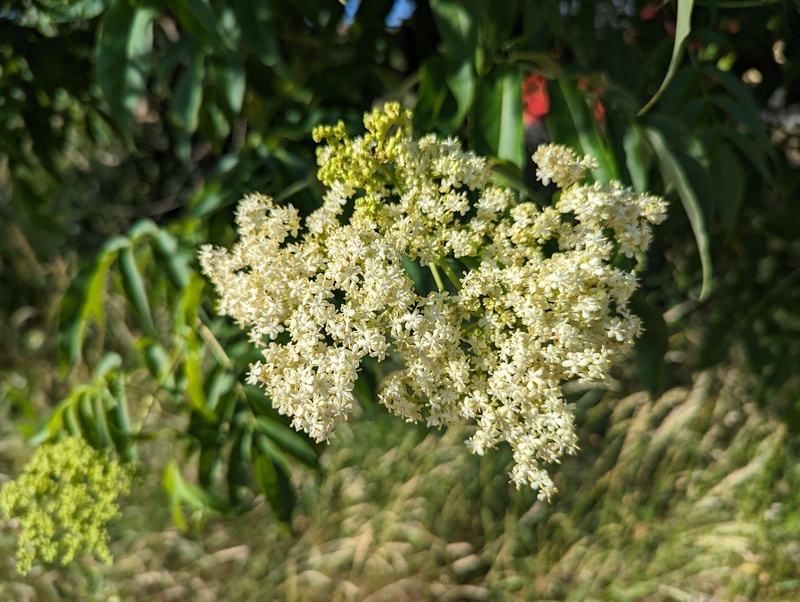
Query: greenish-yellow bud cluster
<point x="62" y="502"/>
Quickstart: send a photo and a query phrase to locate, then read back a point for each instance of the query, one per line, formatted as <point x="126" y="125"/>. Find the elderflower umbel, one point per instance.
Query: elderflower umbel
<point x="63" y="500"/>
<point x="527" y="297"/>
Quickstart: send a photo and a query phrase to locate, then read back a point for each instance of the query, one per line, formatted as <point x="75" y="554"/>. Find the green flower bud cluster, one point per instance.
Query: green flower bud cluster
<point x="62" y="502"/>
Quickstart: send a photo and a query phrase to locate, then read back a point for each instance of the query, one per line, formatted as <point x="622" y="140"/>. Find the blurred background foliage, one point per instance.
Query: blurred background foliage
<point x="129" y="129"/>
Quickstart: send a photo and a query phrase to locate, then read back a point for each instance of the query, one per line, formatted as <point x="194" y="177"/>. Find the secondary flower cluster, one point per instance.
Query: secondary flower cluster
<point x="527" y="296"/>
<point x="63" y="500"/>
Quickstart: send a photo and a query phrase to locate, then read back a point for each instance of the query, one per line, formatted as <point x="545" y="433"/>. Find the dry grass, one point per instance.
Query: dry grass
<point x="693" y="496"/>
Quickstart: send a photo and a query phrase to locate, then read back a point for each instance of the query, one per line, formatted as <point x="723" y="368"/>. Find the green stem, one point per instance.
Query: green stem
<point x="451" y="275"/>
<point x="437" y="277"/>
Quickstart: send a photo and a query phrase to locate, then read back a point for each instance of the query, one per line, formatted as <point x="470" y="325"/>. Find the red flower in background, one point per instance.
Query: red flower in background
<point x="650" y="11"/>
<point x="535" y="98"/>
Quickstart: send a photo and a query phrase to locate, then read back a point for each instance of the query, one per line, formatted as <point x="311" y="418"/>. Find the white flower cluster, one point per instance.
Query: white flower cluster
<point x="527" y="296"/>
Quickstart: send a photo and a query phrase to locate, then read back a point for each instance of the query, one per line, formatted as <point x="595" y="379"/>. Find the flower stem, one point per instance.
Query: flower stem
<point x="451" y="275"/>
<point x="437" y="277"/>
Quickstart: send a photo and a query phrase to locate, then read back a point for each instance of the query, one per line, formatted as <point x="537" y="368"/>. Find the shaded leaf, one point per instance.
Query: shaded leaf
<point x="289" y="440"/>
<point x="749" y="149"/>
<point x="255" y="20"/>
<point x="122" y="58"/>
<point x="198" y="18"/>
<point x="437" y="106"/>
<point x="676" y="175"/>
<point x="238" y="463"/>
<point x="457" y="24"/>
<point x="272" y="480"/>
<point x="728" y="182"/>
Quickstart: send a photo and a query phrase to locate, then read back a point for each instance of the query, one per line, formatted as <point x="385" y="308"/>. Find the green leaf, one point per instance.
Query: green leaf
<point x="238" y="462"/>
<point x="111" y="361"/>
<point x="289" y="441"/>
<point x="74" y="10"/>
<point x="637" y="157"/>
<point x="135" y="291"/>
<point x="675" y="174"/>
<point x="683" y="28"/>
<point x="747" y="112"/>
<point x="188" y="95"/>
<point x="174" y="259"/>
<point x="122" y="58"/>
<point x="198" y="18"/>
<point x="746" y="117"/>
<point x="206" y="463"/>
<point x="457" y="23"/>
<point x="437" y="106"/>
<point x="497" y="20"/>
<point x="572" y="123"/>
<point x="728" y="184"/>
<point x="214" y="125"/>
<point x="273" y="480"/>
<point x="498" y="125"/>
<point x="749" y="149"/>
<point x="192" y="367"/>
<point x="230" y="81"/>
<point x="83" y="301"/>
<point x="461" y="83"/>
<point x="182" y="493"/>
<point x="190" y="301"/>
<point x="219" y="382"/>
<point x="156" y="359"/>
<point x="125" y="446"/>
<point x="101" y="423"/>
<point x="256" y="21"/>
<point x="86" y="420"/>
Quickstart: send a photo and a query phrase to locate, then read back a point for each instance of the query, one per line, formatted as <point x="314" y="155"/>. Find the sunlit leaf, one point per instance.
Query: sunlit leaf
<point x="183" y="493"/>
<point x="188" y="95"/>
<point x="572" y="123"/>
<point x="230" y="82"/>
<point x="683" y="28"/>
<point x="637" y="157"/>
<point x="498" y="126"/>
<point x="83" y="301"/>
